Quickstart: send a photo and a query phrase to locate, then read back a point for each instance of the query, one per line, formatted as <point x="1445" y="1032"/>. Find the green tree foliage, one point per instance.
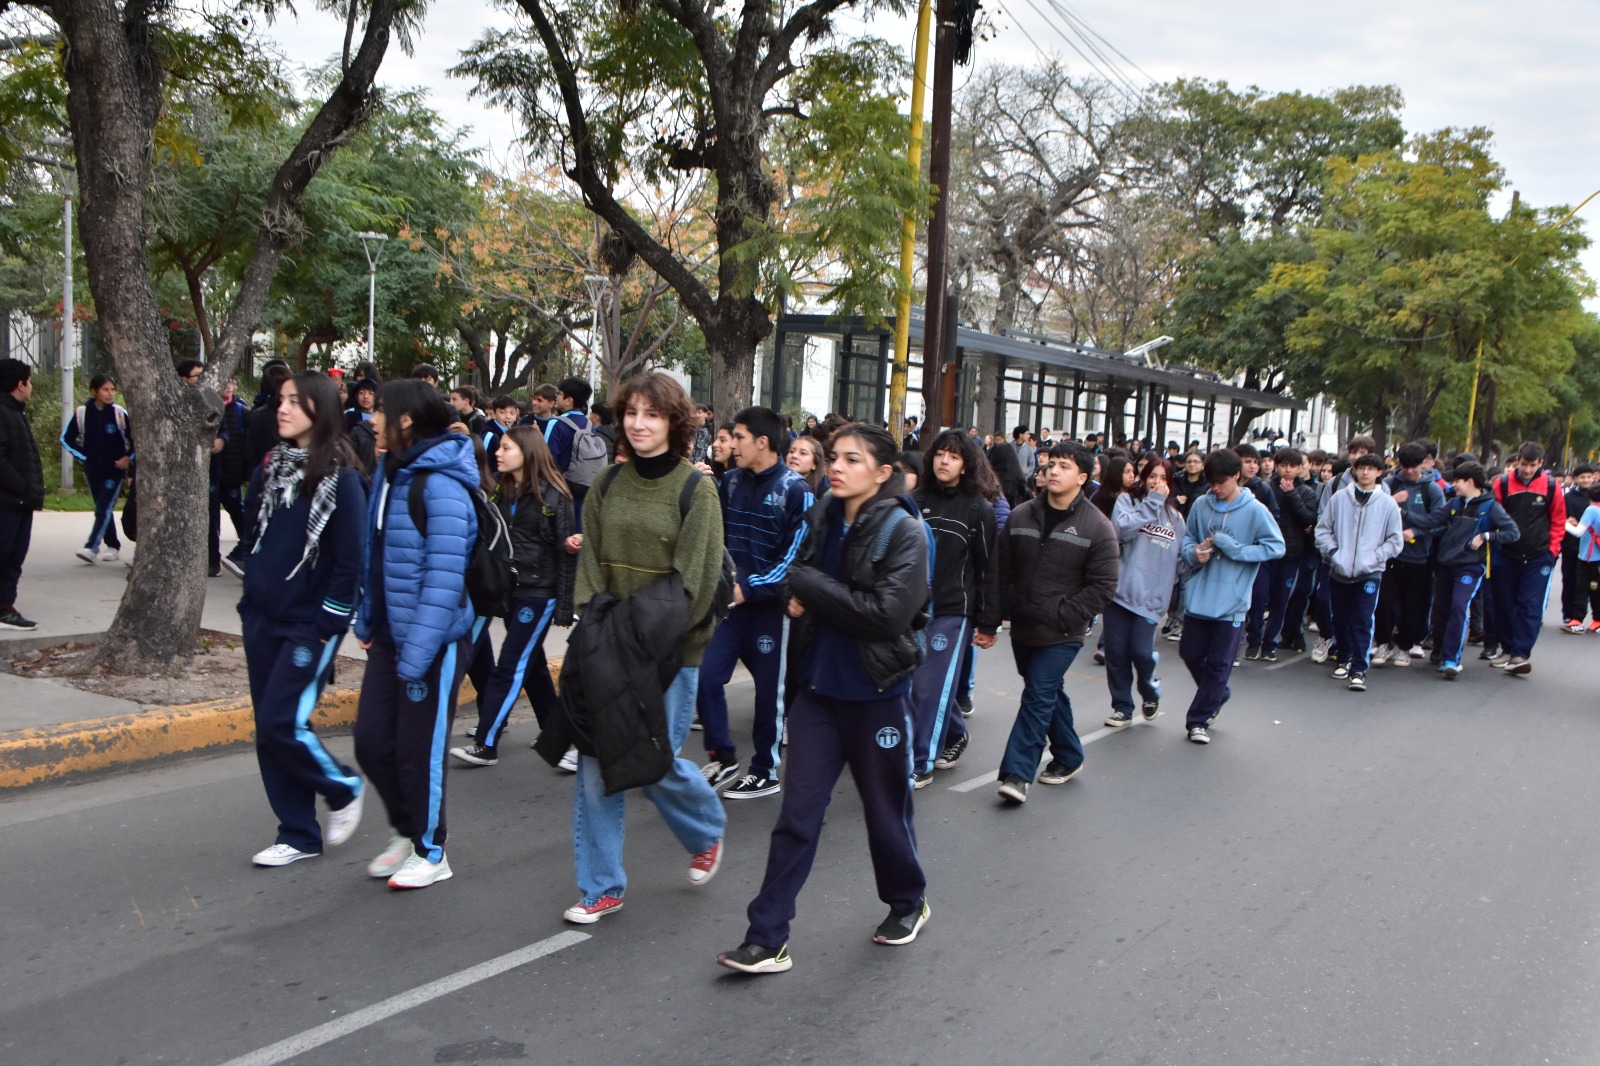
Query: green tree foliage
<point x="759" y="102"/>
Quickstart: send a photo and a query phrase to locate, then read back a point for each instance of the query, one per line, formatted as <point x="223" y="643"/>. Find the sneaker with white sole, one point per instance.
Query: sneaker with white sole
<point x="1058" y="774"/>
<point x="704" y="866"/>
<point x="1450" y="671"/>
<point x="280" y="855"/>
<point x="418" y="872"/>
<point x="752" y="786"/>
<point x="569" y="762"/>
<point x="109" y="555"/>
<point x="1400" y="659"/>
<point x="952" y="754"/>
<point x="1119" y="720"/>
<point x="1150" y="710"/>
<point x="1199" y="735"/>
<point x="1341" y="671"/>
<point x="753" y="958"/>
<point x="1518" y="666"/>
<point x="586" y="912"/>
<point x="920" y="781"/>
<point x="719" y="771"/>
<point x="87" y="555"/>
<point x="900" y="929"/>
<point x="342" y="823"/>
<point x="1013" y="789"/>
<point x="234" y="567"/>
<point x="1417" y="651"/>
<point x="391" y="858"/>
<point x="477" y="755"/>
<point x="1382" y="654"/>
<point x="1358" y="683"/>
<point x="1319" y="650"/>
<point x="12" y="619"/>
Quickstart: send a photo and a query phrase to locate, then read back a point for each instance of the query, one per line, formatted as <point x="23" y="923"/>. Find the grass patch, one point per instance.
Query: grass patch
<point x="71" y="501"/>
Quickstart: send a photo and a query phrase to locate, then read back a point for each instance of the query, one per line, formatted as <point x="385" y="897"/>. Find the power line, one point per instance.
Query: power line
<point x="1113" y="81"/>
<point x="1083" y="32"/>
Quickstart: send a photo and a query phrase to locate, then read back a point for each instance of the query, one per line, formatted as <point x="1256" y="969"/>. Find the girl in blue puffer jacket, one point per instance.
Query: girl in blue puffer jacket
<point x="414" y="620"/>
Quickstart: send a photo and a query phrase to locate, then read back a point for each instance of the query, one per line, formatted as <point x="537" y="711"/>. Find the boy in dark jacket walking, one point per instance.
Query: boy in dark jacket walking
<point x="21" y="485"/>
<point x="1059" y="560"/>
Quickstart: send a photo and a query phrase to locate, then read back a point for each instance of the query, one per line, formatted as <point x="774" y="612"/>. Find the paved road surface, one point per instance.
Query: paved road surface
<point x="1405" y="876"/>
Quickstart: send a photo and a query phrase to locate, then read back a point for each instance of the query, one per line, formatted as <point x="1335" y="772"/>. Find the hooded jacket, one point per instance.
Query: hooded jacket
<point x="1358" y="539"/>
<point x="882" y="604"/>
<point x="1460" y="520"/>
<point x="966" y="563"/>
<point x="1053" y="584"/>
<point x="21" y="473"/>
<point x="1245" y="535"/>
<point x="1151" y="534"/>
<point x="420" y="583"/>
<point x="1423" y="497"/>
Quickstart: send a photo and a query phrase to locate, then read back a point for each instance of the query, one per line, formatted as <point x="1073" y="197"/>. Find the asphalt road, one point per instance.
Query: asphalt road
<point x="1408" y="875"/>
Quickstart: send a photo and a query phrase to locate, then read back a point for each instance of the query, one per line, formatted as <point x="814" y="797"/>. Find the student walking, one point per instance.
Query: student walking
<point x="1058" y="569"/>
<point x="764" y="505"/>
<point x="966" y="595"/>
<point x="21" y="486"/>
<point x="858" y="593"/>
<point x="414" y="620"/>
<point x="1407" y="591"/>
<point x="650" y="524"/>
<point x="1358" y="533"/>
<point x="1586" y="530"/>
<point x="99" y="436"/>
<point x="1470" y="522"/>
<point x="1292" y="575"/>
<point x="1228" y="535"/>
<point x="1575" y="589"/>
<point x="305" y="540"/>
<point x="537" y="507"/>
<point x="1150" y="529"/>
<point x="1520" y="583"/>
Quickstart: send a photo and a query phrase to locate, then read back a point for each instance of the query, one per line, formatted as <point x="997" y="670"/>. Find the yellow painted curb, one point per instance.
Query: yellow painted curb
<point x="104" y="745"/>
<point x="81" y="749"/>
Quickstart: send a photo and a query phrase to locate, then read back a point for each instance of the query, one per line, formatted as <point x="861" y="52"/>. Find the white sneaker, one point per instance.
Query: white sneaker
<point x="109" y="555"/>
<point x="569" y="762"/>
<point x="417" y="872"/>
<point x="342" y="823"/>
<point x="1416" y="652"/>
<point x="391" y="858"/>
<point x="1319" y="650"/>
<point x="88" y="556"/>
<point x="280" y="855"/>
<point x="1381" y="654"/>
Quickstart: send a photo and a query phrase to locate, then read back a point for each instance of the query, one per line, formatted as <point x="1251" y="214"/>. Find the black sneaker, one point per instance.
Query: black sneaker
<point x="753" y="958"/>
<point x="12" y="620"/>
<point x="750" y="787"/>
<point x="233" y="566"/>
<point x="696" y="725"/>
<point x="477" y="755"/>
<point x="1151" y="710"/>
<point x="1199" y="735"/>
<point x="1490" y="651"/>
<point x="215" y="569"/>
<point x="1358" y="683"/>
<point x="1269" y="656"/>
<point x="1058" y="774"/>
<point x="717" y="770"/>
<point x="902" y="929"/>
<point x="921" y="781"/>
<point x="1253" y="653"/>
<point x="951" y="755"/>
<point x="965" y="703"/>
<point x="1013" y="789"/>
<point x="1120" y="719"/>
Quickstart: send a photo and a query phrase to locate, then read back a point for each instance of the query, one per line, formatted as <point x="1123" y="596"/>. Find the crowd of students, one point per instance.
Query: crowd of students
<point x="856" y="576"/>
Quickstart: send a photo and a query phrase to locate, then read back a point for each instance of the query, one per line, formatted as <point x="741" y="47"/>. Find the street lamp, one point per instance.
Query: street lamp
<point x="1143" y="351"/>
<point x="372" y="279"/>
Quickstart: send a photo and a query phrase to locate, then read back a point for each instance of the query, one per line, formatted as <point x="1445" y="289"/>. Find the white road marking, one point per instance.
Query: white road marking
<point x="994" y="775"/>
<point x="285" y="1050"/>
<point x="1286" y="662"/>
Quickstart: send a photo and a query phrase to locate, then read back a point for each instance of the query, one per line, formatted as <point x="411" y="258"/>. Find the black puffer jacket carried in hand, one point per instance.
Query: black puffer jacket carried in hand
<point x="21" y="473"/>
<point x="883" y="603"/>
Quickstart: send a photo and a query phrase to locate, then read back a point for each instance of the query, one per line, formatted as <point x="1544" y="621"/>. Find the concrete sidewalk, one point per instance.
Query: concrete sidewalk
<point x="51" y="732"/>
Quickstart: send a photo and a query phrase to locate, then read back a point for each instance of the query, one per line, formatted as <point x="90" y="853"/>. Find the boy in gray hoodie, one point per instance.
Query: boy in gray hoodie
<point x="1358" y="532"/>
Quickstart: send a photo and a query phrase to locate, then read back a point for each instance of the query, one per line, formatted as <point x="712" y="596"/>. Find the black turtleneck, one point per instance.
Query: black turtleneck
<point x="656" y="466"/>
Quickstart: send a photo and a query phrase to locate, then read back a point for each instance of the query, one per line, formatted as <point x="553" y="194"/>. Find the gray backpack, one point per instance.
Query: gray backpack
<point x="589" y="454"/>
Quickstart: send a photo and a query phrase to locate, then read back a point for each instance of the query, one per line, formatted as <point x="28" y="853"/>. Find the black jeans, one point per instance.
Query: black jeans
<point x="16" y="533"/>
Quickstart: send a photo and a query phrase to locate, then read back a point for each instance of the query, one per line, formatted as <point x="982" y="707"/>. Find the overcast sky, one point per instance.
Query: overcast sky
<point x="1527" y="71"/>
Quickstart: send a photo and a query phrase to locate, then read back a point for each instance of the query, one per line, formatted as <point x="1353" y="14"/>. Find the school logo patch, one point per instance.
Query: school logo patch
<point x="765" y="645"/>
<point x="940" y="642"/>
<point x="1544" y="571"/>
<point x="525" y="615"/>
<point x="1370" y="587"/>
<point x="888" y="737"/>
<point x="111" y="427"/>
<point x="1466" y="579"/>
<point x="302" y="657"/>
<point x="417" y="691"/>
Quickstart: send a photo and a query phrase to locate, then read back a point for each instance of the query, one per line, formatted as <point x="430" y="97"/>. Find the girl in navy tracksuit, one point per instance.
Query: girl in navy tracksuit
<point x="99" y="437"/>
<point x="415" y="619"/>
<point x="306" y="541"/>
<point x="537" y="506"/>
<point x="858" y="591"/>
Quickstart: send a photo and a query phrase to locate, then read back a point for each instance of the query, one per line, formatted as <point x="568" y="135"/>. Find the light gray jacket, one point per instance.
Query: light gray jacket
<point x="1151" y="534"/>
<point x="1356" y="539"/>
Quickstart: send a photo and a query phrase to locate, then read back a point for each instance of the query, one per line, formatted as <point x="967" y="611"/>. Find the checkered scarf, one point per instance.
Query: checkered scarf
<point x="280" y="487"/>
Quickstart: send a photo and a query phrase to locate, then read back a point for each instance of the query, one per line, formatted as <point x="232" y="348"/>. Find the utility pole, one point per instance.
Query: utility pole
<point x="372" y="281"/>
<point x="908" y="237"/>
<point x="954" y="36"/>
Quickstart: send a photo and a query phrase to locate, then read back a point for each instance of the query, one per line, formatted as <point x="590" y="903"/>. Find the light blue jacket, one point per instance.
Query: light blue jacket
<point x="1245" y="535"/>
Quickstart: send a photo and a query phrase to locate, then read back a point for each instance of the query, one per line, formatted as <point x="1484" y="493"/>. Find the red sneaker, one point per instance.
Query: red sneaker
<point x="704" y="866"/>
<point x="1594" y="627"/>
<point x="582" y="913"/>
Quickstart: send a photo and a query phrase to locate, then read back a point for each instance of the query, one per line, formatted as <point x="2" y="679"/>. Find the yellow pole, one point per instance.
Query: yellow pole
<point x="1566" y="453"/>
<point x="1472" y="405"/>
<point x="908" y="235"/>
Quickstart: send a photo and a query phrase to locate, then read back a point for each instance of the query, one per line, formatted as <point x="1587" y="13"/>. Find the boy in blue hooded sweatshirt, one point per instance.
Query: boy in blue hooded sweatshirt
<point x="1228" y="535"/>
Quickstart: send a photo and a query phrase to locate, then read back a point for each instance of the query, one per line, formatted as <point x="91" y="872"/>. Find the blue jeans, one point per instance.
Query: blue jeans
<point x="1045" y="712"/>
<point x="687" y="804"/>
<point x="1130" y="650"/>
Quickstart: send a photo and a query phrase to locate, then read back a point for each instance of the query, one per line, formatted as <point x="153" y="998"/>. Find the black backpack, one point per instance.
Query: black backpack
<point x="491" y="574"/>
<point x="722" y="602"/>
